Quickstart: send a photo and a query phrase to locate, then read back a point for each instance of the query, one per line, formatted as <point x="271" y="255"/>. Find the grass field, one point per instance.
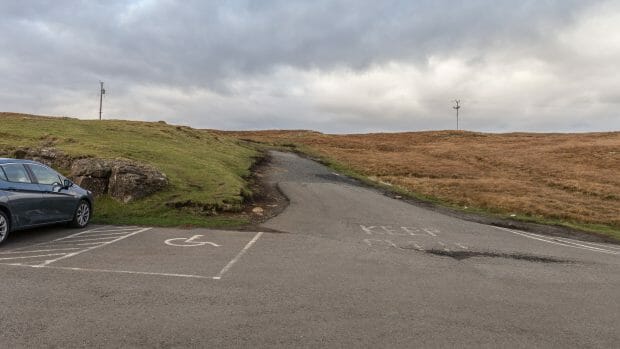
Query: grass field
<point x="567" y="179"/>
<point x="205" y="168"/>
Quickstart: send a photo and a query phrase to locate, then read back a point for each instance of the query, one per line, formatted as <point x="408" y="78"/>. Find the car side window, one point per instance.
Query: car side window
<point x="45" y="175"/>
<point x="2" y="175"/>
<point x="16" y="173"/>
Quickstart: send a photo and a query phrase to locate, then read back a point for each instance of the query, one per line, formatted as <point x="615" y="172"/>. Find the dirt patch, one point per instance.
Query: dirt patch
<point x="266" y="200"/>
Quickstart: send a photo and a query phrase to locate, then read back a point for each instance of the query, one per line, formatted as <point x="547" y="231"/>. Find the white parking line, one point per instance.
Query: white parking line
<point x="86" y="239"/>
<point x="36" y="251"/>
<point x="98" y="234"/>
<point x="93" y="247"/>
<point x="113" y="271"/>
<point x="234" y="260"/>
<point x="560" y="242"/>
<point x="36" y="256"/>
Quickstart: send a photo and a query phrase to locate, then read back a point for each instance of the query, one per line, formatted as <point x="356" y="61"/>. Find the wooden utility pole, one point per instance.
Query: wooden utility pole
<point x="101" y="93"/>
<point x="457" y="107"/>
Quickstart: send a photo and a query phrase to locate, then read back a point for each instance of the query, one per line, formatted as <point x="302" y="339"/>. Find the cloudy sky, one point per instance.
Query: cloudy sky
<point x="334" y="66"/>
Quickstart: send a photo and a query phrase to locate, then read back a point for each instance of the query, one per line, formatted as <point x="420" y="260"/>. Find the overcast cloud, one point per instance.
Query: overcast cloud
<point x="333" y="66"/>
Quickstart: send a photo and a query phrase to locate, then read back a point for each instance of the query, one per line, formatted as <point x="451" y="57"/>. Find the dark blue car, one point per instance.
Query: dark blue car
<point x="32" y="194"/>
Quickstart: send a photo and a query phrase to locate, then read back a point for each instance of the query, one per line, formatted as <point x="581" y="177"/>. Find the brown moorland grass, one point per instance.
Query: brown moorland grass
<point x="570" y="178"/>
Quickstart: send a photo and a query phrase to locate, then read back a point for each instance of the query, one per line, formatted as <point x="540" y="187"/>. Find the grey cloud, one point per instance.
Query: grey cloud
<point x="55" y="51"/>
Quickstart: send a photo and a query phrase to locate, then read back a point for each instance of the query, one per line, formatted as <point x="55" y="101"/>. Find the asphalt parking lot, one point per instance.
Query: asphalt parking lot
<point x="202" y="254"/>
<point x="342" y="266"/>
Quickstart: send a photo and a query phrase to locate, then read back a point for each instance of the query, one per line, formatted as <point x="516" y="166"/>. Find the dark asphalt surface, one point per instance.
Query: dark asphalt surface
<point x="351" y="268"/>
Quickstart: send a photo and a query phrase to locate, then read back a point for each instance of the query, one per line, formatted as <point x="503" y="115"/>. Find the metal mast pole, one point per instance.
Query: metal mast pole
<point x="457" y="107"/>
<point x="101" y="93"/>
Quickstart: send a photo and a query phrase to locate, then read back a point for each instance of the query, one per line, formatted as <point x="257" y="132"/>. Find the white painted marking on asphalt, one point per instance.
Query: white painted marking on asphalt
<point x="37" y="251"/>
<point x="461" y="246"/>
<point x="86" y="239"/>
<point x="94" y="247"/>
<point x="591" y="247"/>
<point x="112" y="227"/>
<point x="366" y="229"/>
<point x="241" y="253"/>
<point x="429" y="231"/>
<point x="417" y="247"/>
<point x="73" y="244"/>
<point x="380" y="241"/>
<point x="586" y="243"/>
<point x="614" y="247"/>
<point x="410" y="231"/>
<point x="557" y="242"/>
<point x="104" y="234"/>
<point x="391" y="231"/>
<point x="113" y="271"/>
<point x="36" y="256"/>
<point x="183" y="242"/>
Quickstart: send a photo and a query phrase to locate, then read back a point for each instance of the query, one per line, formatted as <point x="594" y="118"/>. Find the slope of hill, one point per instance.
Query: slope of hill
<point x="568" y="179"/>
<point x="206" y="171"/>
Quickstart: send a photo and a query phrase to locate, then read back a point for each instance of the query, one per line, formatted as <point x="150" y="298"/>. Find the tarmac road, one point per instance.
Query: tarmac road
<point x="350" y="268"/>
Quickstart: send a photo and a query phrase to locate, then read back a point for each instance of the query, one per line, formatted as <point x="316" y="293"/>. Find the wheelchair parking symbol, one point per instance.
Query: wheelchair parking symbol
<point x="189" y="242"/>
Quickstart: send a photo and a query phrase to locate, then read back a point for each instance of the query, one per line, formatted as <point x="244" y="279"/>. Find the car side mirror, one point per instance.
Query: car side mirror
<point x="67" y="184"/>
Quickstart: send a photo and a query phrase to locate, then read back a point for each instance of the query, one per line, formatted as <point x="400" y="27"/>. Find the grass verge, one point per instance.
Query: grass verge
<point x="205" y="169"/>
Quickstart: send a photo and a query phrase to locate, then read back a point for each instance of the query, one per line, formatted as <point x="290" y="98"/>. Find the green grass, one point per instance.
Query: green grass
<point x="202" y="167"/>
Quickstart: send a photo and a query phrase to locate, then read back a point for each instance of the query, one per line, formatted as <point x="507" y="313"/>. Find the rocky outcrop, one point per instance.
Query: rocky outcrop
<point x="50" y="156"/>
<point x="123" y="180"/>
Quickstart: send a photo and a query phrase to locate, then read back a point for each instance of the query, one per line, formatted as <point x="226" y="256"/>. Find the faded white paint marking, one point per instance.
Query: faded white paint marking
<point x="86" y="239"/>
<point x="37" y="251"/>
<point x="367" y="230"/>
<point x="431" y="232"/>
<point x="416" y="245"/>
<point x="410" y="231"/>
<point x="461" y="246"/>
<point x="102" y="234"/>
<point x="35" y="256"/>
<point x="565" y="244"/>
<point x="94" y="247"/>
<point x="238" y="256"/>
<point x="380" y="242"/>
<point x="113" y="271"/>
<point x="191" y="242"/>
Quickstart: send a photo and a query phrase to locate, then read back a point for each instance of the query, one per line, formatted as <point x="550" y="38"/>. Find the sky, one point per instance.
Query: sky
<point x="340" y="66"/>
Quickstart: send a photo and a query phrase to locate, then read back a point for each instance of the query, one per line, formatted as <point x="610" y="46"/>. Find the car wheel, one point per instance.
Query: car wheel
<point x="4" y="227"/>
<point x="82" y="215"/>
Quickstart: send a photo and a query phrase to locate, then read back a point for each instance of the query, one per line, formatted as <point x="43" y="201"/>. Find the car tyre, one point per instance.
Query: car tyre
<point x="82" y="215"/>
<point x="5" y="226"/>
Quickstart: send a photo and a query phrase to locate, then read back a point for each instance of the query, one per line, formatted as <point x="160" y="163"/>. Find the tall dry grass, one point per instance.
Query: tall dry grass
<point x="570" y="177"/>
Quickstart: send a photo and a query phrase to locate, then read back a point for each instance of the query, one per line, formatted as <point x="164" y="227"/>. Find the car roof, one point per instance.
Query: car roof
<point x="17" y="161"/>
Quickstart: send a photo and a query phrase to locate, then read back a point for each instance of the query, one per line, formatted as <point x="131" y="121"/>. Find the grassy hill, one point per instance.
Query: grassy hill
<point x="565" y="179"/>
<point x="207" y="169"/>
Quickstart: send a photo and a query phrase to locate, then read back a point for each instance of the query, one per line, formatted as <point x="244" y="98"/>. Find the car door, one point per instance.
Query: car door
<point x="24" y="196"/>
<point x="59" y="203"/>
